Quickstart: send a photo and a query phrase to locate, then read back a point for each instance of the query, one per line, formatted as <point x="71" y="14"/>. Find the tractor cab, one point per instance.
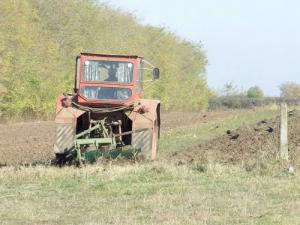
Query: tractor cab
<point x="109" y="79"/>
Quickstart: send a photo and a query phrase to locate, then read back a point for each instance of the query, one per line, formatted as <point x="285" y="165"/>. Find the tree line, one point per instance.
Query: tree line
<point x="232" y="97"/>
<point x="39" y="40"/>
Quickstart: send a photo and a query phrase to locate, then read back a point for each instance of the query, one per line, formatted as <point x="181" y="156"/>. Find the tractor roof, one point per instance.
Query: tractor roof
<point x="111" y="55"/>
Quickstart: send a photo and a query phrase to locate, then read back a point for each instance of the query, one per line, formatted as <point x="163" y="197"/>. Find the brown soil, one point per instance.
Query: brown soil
<point x="25" y="143"/>
<point x="260" y="140"/>
<point x="31" y="142"/>
<point x="173" y="120"/>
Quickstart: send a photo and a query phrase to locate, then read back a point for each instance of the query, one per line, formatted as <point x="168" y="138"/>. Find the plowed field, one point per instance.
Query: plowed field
<point x="31" y="142"/>
<point x="257" y="141"/>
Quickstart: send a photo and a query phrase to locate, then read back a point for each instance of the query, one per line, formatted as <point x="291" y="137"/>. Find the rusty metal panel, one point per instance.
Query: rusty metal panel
<point x="64" y="137"/>
<point x="143" y="140"/>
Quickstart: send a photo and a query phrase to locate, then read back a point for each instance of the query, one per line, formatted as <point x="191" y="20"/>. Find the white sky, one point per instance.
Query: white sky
<point x="253" y="42"/>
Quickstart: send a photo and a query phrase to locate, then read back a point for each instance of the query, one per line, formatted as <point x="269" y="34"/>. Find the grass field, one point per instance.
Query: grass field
<point x="160" y="192"/>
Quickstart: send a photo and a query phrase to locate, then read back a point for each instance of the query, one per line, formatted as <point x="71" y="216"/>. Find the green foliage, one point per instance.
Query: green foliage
<point x="39" y="40"/>
<point x="255" y="92"/>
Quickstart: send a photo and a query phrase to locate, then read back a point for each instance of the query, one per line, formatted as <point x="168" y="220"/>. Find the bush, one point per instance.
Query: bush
<point x="255" y="92"/>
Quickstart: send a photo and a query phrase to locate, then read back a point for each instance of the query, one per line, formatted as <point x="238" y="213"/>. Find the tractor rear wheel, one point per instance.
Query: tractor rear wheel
<point x="62" y="159"/>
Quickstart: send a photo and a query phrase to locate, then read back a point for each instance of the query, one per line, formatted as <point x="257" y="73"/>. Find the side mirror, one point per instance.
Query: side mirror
<point x="155" y="75"/>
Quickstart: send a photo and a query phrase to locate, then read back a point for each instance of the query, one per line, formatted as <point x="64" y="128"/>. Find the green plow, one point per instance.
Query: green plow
<point x="89" y="149"/>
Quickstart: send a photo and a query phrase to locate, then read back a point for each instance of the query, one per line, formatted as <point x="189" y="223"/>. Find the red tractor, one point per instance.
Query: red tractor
<point x="107" y="112"/>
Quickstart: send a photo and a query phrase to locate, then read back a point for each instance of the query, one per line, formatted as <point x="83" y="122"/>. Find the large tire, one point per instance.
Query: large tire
<point x="62" y="159"/>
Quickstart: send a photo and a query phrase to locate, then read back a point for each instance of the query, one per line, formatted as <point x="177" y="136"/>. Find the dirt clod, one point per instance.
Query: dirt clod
<point x="247" y="144"/>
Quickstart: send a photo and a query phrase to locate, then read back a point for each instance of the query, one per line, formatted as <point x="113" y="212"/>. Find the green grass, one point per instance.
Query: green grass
<point x="195" y="135"/>
<point x="152" y="192"/>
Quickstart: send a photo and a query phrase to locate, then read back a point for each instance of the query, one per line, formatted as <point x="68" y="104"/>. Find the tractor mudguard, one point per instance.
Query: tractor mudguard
<point x="65" y="126"/>
<point x="146" y="114"/>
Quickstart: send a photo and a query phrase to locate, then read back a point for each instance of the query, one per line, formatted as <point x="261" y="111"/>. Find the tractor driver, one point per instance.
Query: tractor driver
<point x="112" y="72"/>
<point x="109" y="92"/>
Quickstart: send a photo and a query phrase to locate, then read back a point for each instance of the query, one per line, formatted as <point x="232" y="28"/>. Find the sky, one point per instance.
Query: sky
<point x="247" y="42"/>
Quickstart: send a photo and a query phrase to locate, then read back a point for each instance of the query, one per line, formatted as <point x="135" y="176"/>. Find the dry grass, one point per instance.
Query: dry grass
<point x="152" y="192"/>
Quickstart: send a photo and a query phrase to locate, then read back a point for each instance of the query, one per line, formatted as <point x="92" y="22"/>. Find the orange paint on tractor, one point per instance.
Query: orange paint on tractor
<point x="108" y="87"/>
